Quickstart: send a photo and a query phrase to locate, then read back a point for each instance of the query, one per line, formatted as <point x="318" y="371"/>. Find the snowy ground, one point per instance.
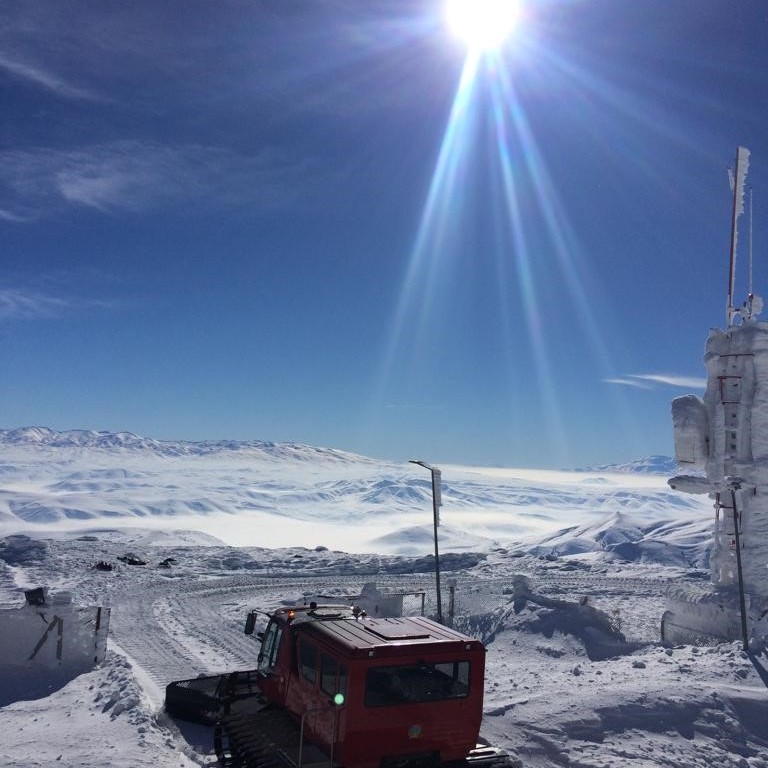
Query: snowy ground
<point x="554" y="696"/>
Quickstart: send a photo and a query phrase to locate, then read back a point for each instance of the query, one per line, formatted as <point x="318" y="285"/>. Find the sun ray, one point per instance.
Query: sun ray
<point x="418" y="288"/>
<point x="525" y="208"/>
<point x="549" y="204"/>
<point x="526" y="282"/>
<point x="564" y="242"/>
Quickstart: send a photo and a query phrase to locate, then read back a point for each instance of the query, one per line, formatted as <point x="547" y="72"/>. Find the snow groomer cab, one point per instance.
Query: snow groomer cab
<point x="374" y="693"/>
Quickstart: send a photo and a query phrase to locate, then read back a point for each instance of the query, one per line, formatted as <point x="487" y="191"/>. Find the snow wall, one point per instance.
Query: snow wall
<point x="726" y="435"/>
<point x="46" y="644"/>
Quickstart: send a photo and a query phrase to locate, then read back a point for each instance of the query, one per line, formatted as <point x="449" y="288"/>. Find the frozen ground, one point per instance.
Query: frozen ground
<point x="524" y="548"/>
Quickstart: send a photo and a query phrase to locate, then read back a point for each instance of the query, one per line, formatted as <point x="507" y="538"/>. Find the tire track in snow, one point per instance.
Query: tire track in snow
<point x="198" y="626"/>
<point x="180" y="630"/>
<point x="176" y="631"/>
<point x="160" y="655"/>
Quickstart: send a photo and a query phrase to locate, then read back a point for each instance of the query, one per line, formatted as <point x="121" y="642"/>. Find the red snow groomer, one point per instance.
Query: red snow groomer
<point x="335" y="688"/>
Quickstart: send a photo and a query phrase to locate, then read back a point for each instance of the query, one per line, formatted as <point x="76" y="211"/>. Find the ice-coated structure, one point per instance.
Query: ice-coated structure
<point x="46" y="642"/>
<point x="737" y="404"/>
<point x="725" y="434"/>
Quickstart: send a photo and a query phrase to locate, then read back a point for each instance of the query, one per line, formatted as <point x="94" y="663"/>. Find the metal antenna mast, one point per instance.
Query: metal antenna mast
<point x="750" y="242"/>
<point x="737" y="182"/>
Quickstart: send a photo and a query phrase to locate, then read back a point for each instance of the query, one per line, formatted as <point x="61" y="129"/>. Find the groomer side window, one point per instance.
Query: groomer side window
<point x="308" y="661"/>
<point x="416" y="683"/>
<point x="333" y="676"/>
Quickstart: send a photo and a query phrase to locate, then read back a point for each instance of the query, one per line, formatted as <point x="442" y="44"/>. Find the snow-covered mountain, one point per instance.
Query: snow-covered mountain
<point x="278" y="494"/>
<point x="657" y="465"/>
<point x="44" y="437"/>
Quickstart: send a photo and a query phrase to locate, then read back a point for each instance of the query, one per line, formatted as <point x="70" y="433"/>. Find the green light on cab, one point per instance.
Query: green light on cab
<point x="338" y="699"/>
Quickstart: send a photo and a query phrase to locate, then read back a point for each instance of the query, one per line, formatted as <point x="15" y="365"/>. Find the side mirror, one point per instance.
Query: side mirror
<point x="250" y="623"/>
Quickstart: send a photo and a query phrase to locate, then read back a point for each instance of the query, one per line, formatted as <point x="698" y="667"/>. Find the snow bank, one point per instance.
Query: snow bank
<point x="555" y="705"/>
<point x="101" y="718"/>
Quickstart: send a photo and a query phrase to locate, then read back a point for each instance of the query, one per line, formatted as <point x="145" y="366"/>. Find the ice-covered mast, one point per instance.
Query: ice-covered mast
<point x="738" y="180"/>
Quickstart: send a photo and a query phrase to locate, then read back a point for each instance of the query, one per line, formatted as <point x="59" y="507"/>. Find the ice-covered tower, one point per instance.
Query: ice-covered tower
<point x="725" y="434"/>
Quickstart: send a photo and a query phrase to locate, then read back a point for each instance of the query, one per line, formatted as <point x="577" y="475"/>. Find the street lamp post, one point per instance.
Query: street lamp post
<point x="436" y="502"/>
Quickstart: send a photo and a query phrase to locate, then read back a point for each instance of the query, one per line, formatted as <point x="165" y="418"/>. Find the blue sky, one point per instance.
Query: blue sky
<point x="324" y="221"/>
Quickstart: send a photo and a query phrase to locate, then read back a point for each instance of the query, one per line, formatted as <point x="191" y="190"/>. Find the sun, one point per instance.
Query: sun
<point x="483" y="25"/>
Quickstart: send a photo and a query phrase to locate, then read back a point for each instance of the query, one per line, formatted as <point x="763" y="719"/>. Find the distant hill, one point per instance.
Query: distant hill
<point x="45" y="437"/>
<point x="651" y="465"/>
<point x="288" y="494"/>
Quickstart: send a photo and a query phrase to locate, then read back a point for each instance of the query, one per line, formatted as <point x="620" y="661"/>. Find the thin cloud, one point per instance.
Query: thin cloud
<point x="44" y="79"/>
<point x="18" y="304"/>
<point x="672" y="380"/>
<point x="10" y="216"/>
<point x="628" y="383"/>
<point x="105" y="51"/>
<point x="21" y="305"/>
<point x="134" y="176"/>
<point x="650" y="380"/>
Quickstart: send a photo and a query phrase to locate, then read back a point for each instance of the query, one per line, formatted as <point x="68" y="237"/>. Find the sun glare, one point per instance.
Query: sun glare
<point x="483" y="25"/>
<point x="526" y="216"/>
